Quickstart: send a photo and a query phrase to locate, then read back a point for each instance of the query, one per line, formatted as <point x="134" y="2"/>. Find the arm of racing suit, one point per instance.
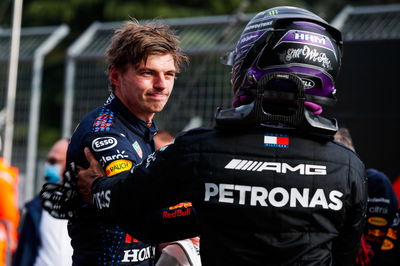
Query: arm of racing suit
<point x="347" y="244"/>
<point x="156" y="225"/>
<point x="111" y="148"/>
<point x="159" y="181"/>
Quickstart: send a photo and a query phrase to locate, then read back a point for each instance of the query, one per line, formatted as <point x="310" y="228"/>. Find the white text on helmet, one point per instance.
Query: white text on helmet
<point x="309" y="37"/>
<point x="308" y="54"/>
<point x="258" y="25"/>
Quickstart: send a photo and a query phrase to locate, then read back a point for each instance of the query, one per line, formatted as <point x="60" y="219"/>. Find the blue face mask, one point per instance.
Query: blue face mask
<point x="52" y="173"/>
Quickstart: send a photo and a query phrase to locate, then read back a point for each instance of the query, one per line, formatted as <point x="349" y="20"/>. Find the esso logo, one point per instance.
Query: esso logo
<point x="103" y="143"/>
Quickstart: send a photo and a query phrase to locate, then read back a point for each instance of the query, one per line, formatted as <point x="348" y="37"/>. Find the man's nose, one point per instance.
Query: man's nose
<point x="160" y="82"/>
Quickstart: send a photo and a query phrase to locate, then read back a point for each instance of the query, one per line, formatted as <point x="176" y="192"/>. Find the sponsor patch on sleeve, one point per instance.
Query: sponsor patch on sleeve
<point x="104" y="143"/>
<point x="181" y="209"/>
<point x="377" y="221"/>
<point x="375" y="232"/>
<point x="118" y="166"/>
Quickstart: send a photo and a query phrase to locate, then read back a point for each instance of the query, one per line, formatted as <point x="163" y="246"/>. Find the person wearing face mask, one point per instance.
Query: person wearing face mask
<point x="52" y="170"/>
<point x="44" y="240"/>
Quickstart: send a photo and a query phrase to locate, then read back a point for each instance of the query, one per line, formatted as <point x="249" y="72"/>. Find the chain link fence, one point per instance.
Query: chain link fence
<point x="35" y="43"/>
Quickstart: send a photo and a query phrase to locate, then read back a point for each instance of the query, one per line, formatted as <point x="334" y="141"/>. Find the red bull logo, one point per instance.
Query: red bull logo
<point x="376" y="232"/>
<point x="176" y="213"/>
<point x="181" y="205"/>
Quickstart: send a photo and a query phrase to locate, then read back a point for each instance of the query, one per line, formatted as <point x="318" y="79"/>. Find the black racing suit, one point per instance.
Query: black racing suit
<point x="119" y="141"/>
<point x="265" y="196"/>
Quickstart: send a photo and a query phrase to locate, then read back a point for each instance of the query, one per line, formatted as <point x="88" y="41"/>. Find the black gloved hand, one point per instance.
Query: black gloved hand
<point x="62" y="200"/>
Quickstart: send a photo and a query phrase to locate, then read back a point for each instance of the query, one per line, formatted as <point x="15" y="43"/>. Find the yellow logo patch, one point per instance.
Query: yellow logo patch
<point x="118" y="166"/>
<point x="378" y="221"/>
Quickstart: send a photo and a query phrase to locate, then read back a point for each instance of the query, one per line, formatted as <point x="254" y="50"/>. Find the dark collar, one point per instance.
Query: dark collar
<point x="147" y="130"/>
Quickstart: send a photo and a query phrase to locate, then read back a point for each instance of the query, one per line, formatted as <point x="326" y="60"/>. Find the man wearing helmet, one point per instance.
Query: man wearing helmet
<point x="269" y="184"/>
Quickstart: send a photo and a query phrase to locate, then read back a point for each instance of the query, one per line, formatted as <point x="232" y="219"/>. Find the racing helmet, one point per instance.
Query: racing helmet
<point x="287" y="40"/>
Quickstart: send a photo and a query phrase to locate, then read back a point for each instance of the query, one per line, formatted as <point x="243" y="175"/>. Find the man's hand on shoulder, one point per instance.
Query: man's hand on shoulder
<point x="86" y="177"/>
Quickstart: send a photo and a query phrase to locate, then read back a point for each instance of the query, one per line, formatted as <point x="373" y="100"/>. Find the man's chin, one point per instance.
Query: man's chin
<point x="157" y="108"/>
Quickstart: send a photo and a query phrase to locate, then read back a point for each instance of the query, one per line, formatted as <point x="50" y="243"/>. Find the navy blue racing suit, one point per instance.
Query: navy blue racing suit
<point x="382" y="207"/>
<point x="120" y="141"/>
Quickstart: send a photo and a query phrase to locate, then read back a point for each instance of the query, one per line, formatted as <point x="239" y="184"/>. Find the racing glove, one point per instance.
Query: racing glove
<point x="62" y="200"/>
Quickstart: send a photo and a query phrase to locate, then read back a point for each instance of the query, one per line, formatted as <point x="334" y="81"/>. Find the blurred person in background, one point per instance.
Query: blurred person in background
<point x="381" y="211"/>
<point x="9" y="211"/>
<point x="269" y="183"/>
<point x="382" y="208"/>
<point x="143" y="61"/>
<point x="44" y="240"/>
<point x="389" y="253"/>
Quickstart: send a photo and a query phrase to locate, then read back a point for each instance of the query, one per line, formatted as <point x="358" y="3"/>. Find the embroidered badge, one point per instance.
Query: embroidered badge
<point x="118" y="166"/>
<point x="137" y="148"/>
<point x="276" y="140"/>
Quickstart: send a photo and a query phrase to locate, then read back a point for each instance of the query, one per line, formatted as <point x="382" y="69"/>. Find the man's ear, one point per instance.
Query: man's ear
<point x="114" y="76"/>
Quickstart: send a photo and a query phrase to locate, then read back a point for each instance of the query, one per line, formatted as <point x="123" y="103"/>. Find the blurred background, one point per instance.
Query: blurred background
<point x="61" y="71"/>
